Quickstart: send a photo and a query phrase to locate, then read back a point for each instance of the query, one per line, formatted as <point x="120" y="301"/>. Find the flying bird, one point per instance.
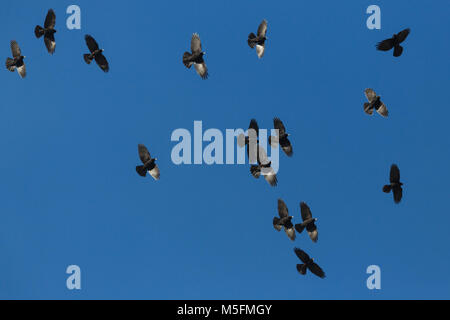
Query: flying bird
<point x="259" y="40"/>
<point x="308" y="263"/>
<point x="308" y="222"/>
<point x="251" y="140"/>
<point x="196" y="57"/>
<point x="281" y="138"/>
<point x="96" y="54"/>
<point x="284" y="221"/>
<point x="48" y="31"/>
<point x="395" y="184"/>
<point x="16" y="63"/>
<point x="149" y="163"/>
<point x="263" y="167"/>
<point x="374" y="103"/>
<point x="394" y="42"/>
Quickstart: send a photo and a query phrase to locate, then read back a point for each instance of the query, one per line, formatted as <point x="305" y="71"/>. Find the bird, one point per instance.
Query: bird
<point x="96" y="53"/>
<point x="250" y="140"/>
<point x="308" y="222"/>
<point x="395" y="184"/>
<point x="394" y="42"/>
<point x="196" y="57"/>
<point x="16" y="63"/>
<point x="263" y="166"/>
<point x="374" y="103"/>
<point x="308" y="263"/>
<point x="281" y="138"/>
<point x="284" y="221"/>
<point x="48" y="31"/>
<point x="149" y="163"/>
<point x="259" y="39"/>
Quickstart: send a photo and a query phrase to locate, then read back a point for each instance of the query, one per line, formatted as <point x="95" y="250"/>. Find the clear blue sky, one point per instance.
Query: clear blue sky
<point x="69" y="135"/>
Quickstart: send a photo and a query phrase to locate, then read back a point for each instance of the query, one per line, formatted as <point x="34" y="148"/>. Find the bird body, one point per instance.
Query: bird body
<point x="374" y="103"/>
<point x="48" y="31"/>
<point x="95" y="54"/>
<point x="394" y="42"/>
<point x="281" y="138"/>
<point x="308" y="264"/>
<point x="308" y="222"/>
<point x="258" y="41"/>
<point x="196" y="57"/>
<point x="395" y="185"/>
<point x="284" y="220"/>
<point x="17" y="62"/>
<point x="149" y="163"/>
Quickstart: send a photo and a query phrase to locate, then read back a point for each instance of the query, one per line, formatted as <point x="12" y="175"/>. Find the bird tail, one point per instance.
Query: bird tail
<point x="10" y="64"/>
<point x="141" y="171"/>
<point x="88" y="58"/>
<point x="187" y="59"/>
<point x="299" y="227"/>
<point x="276" y="224"/>
<point x="387" y="188"/>
<point x="398" y="51"/>
<point x="38" y="31"/>
<point x="251" y="40"/>
<point x="301" y="268"/>
<point x="256" y="171"/>
<point x="367" y="108"/>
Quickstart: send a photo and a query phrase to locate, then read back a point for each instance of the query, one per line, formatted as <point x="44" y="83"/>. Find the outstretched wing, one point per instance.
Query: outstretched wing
<point x="282" y="209"/>
<point x="50" y="20"/>
<point x="305" y="211"/>
<point x="314" y="268"/>
<point x="144" y="155"/>
<point x="302" y="255"/>
<point x="394" y="174"/>
<point x="202" y="70"/>
<point x="50" y="43"/>
<point x="385" y="45"/>
<point x="402" y="35"/>
<point x="382" y="110"/>
<point x="15" y="49"/>
<point x="102" y="62"/>
<point x="91" y="43"/>
<point x="262" y="29"/>
<point x="370" y="94"/>
<point x="196" y="45"/>
<point x="154" y="172"/>
<point x="278" y="124"/>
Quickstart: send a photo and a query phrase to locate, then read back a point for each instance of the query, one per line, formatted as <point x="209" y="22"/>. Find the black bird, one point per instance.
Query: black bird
<point x="96" y="54"/>
<point x="308" y="222"/>
<point x="394" y="42"/>
<point x="259" y="40"/>
<point x="250" y="140"/>
<point x="282" y="137"/>
<point x="308" y="263"/>
<point x="284" y="221"/>
<point x="263" y="166"/>
<point x="395" y="184"/>
<point x="48" y="31"/>
<point x="196" y="57"/>
<point x="374" y="103"/>
<point x="149" y="163"/>
<point x="16" y="63"/>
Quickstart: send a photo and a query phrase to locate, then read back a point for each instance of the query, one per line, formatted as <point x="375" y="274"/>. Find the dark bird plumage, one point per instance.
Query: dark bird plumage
<point x="394" y="42"/>
<point x="263" y="167"/>
<point x="96" y="53"/>
<point x="259" y="40"/>
<point x="17" y="62"/>
<point x="149" y="163"/>
<point x="374" y="103"/>
<point x="308" y="263"/>
<point x="281" y="138"/>
<point x="196" y="57"/>
<point x="308" y="222"/>
<point x="395" y="184"/>
<point x="284" y="221"/>
<point x="48" y="31"/>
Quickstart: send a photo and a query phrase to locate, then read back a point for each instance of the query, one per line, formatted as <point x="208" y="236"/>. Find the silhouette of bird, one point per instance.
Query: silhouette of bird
<point x="16" y="63"/>
<point x="308" y="263"/>
<point x="284" y="221"/>
<point x="48" y="31"/>
<point x="308" y="222"/>
<point x="96" y="54"/>
<point x="196" y="57"/>
<point x="395" y="184"/>
<point x="281" y="138"/>
<point x="259" y="40"/>
<point x="394" y="42"/>
<point x="374" y="103"/>
<point x="251" y="140"/>
<point x="149" y="163"/>
<point x="263" y="167"/>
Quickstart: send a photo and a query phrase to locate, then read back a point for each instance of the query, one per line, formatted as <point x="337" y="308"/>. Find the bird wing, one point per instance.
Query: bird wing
<point x="196" y="45"/>
<point x="305" y="211"/>
<point x="302" y="255"/>
<point x="50" y="20"/>
<point x="253" y="125"/>
<point x="276" y="224"/>
<point x="50" y="43"/>
<point x="278" y="124"/>
<point x="287" y="147"/>
<point x="10" y="64"/>
<point x="312" y="231"/>
<point x="270" y="176"/>
<point x="402" y="35"/>
<point x="394" y="174"/>
<point x="262" y="29"/>
<point x="368" y="108"/>
<point x="260" y="48"/>
<point x="385" y="45"/>
<point x="15" y="49"/>
<point x="22" y="70"/>
<point x="282" y="209"/>
<point x="370" y="94"/>
<point x="202" y="70"/>
<point x="314" y="268"/>
<point x="398" y="193"/>
<point x="290" y="232"/>
<point x="154" y="172"/>
<point x="262" y="155"/>
<point x="382" y="110"/>
<point x="144" y="155"/>
<point x="91" y="43"/>
<point x="102" y="62"/>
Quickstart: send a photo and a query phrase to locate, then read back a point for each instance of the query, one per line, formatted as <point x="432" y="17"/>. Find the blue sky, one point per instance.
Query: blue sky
<point x="69" y="135"/>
